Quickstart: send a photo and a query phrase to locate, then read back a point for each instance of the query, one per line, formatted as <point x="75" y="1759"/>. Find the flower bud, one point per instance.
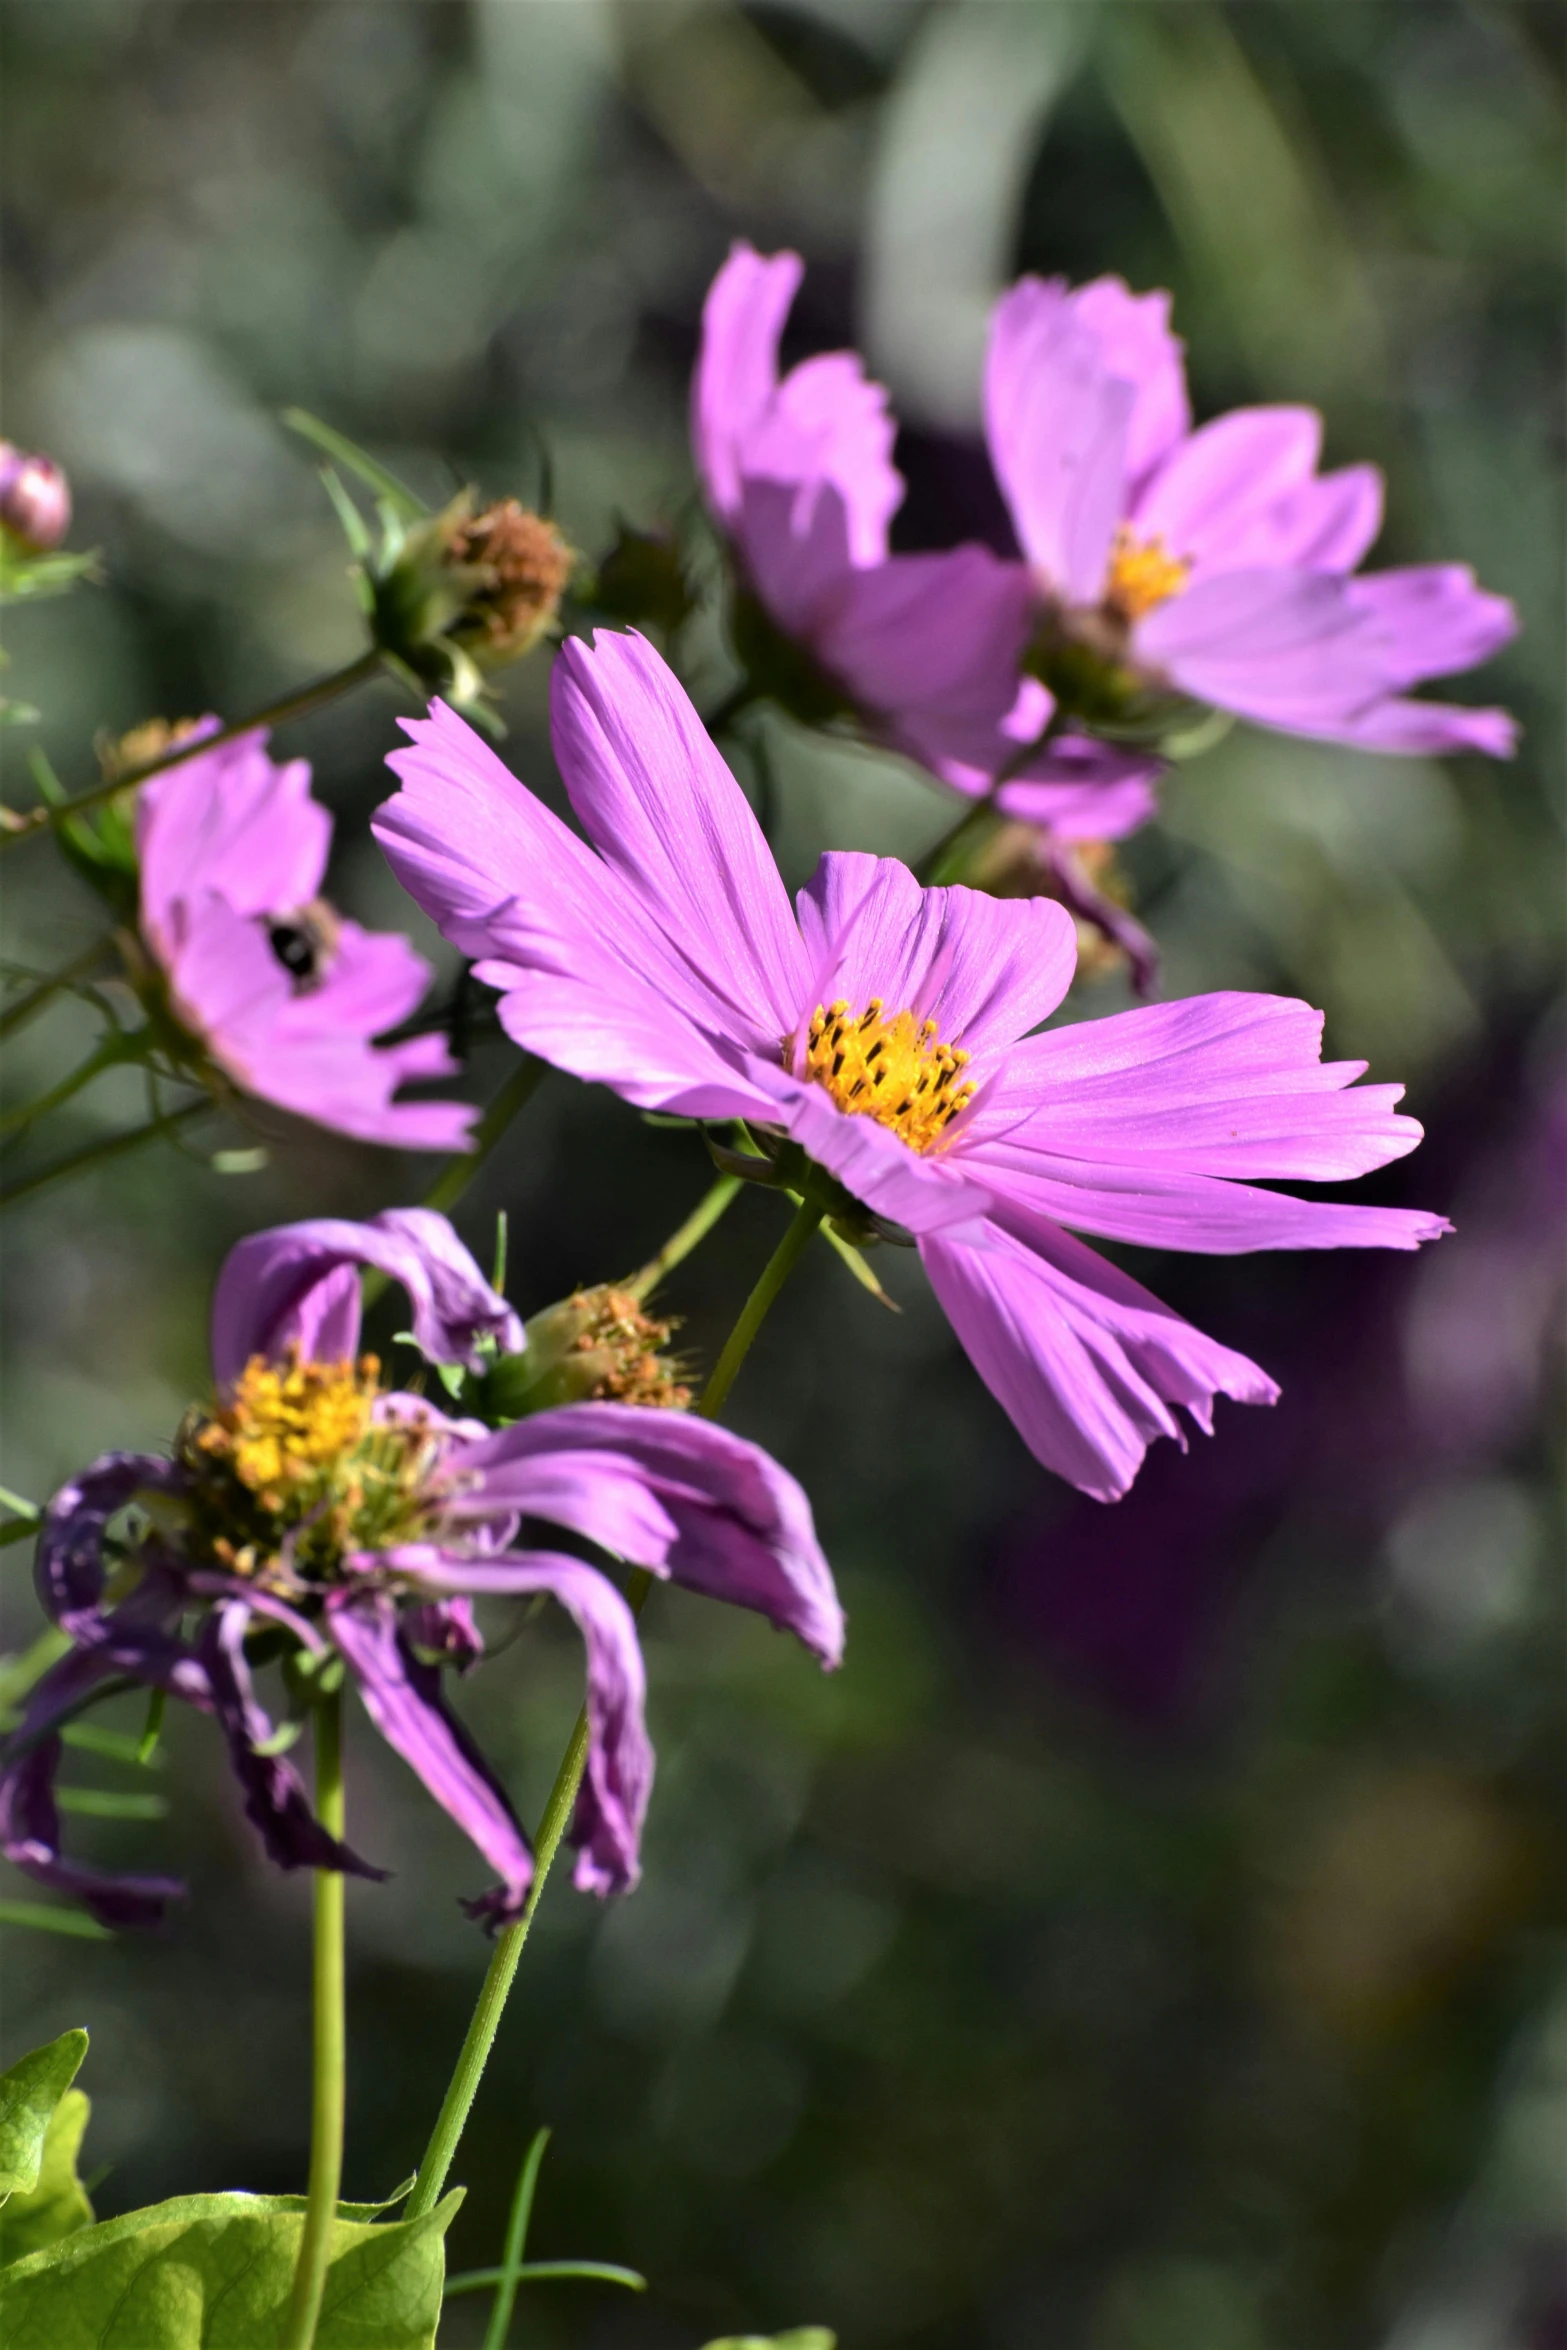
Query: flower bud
<point x="35" y="499"/>
<point x="461" y="592"/>
<point x="596" y="1346"/>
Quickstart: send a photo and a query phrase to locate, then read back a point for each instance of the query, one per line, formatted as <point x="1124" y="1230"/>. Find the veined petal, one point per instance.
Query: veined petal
<point x="1089" y="1367"/>
<point x="670" y="819"/>
<point x="649" y="1053"/>
<point x="612" y="1800"/>
<point x="1223" y="1084"/>
<point x="985" y="969"/>
<point x="673" y="1494"/>
<point x="934" y="1192"/>
<point x="403" y="1697"/>
<point x="297" y="1285"/>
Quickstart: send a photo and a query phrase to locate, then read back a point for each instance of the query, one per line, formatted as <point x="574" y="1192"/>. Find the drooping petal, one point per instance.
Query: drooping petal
<point x="30" y="1841"/>
<point x="1084" y="790"/>
<point x="231" y="822"/>
<point x="276" y="1804"/>
<point x="403" y="1697"/>
<point x="1089" y="1367"/>
<point x="670" y="819"/>
<point x="297" y="1285"/>
<point x="671" y="1493"/>
<point x="617" y="1780"/>
<point x="1058" y="419"/>
<point x="69" y="1567"/>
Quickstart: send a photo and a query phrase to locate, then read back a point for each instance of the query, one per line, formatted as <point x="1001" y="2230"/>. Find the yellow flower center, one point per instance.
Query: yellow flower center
<point x="896" y="1071"/>
<point x="1143" y="575"/>
<point x="294" y="1469"/>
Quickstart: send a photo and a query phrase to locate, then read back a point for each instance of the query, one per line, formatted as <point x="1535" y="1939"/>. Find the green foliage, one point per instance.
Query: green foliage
<point x="798" y="2338"/>
<point x="57" y="2206"/>
<point x="29" y="2093"/>
<point x="213" y="2272"/>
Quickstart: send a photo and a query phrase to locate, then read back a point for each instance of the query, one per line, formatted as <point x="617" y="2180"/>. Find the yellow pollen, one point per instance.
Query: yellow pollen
<point x="896" y="1071"/>
<point x="1143" y="575"/>
<point x="283" y="1425"/>
<point x="294" y="1469"/>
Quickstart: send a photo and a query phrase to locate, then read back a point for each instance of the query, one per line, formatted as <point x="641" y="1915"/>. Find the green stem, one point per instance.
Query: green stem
<point x="94" y="1153"/>
<point x="474" y="2055"/>
<point x="679" y="1245"/>
<point x="753" y="1313"/>
<point x="109" y="1054"/>
<point x="496" y="1987"/>
<point x="461" y="1168"/>
<point x="17" y="1015"/>
<point x="454" y="1179"/>
<point x="327" y="2093"/>
<point x="516" y="2244"/>
<point x="24" y="826"/>
<point x="944" y="862"/>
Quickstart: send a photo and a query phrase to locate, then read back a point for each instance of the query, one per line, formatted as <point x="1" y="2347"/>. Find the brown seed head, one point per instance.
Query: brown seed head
<point x="520" y="565"/>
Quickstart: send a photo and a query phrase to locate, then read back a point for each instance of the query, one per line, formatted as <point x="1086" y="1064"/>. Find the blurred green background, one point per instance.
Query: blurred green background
<point x="1152" y="1939"/>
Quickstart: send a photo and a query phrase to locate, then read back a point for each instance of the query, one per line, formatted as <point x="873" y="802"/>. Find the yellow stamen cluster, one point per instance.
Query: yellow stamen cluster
<point x="294" y="1469"/>
<point x="896" y="1071"/>
<point x="1143" y="575"/>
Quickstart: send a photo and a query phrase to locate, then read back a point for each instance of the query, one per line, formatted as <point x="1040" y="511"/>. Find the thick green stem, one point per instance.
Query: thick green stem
<point x="114" y="1050"/>
<point x="753" y="1313"/>
<point x="679" y="1245"/>
<point x="24" y="826"/>
<point x="93" y="1154"/>
<point x="328" y="2064"/>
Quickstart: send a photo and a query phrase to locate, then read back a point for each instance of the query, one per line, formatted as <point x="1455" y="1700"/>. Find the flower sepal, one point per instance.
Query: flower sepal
<point x="781" y="1165"/>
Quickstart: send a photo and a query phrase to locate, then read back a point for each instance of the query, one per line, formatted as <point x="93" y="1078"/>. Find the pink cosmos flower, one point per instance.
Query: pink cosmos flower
<point x="926" y="651"/>
<point x="1217" y="562"/>
<point x="887" y="1031"/>
<point x="313" y="1509"/>
<point x="283" y="994"/>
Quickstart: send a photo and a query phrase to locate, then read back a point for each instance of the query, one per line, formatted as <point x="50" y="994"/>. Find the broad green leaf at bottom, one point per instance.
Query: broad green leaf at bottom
<point x="213" y="2272"/>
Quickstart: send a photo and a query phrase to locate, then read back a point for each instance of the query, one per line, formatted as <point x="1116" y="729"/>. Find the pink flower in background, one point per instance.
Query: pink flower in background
<point x="1219" y="561"/>
<point x="284" y="994"/>
<point x="926" y="650"/>
<point x="886" y="1030"/>
<point x="35" y="499"/>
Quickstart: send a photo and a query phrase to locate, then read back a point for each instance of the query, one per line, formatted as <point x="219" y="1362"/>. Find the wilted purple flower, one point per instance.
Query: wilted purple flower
<point x="281" y="992"/>
<point x="887" y="1035"/>
<point x="35" y="499"/>
<point x="926" y="651"/>
<point x="1219" y="562"/>
<point x="310" y="1505"/>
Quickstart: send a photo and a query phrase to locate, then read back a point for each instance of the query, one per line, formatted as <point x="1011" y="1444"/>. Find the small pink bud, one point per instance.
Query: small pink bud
<point x="35" y="499"/>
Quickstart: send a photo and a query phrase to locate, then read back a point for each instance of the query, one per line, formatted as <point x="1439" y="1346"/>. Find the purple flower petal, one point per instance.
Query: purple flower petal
<point x="30" y="1841"/>
<point x="1210" y="497"/>
<point x="1059" y="420"/>
<point x="612" y="1801"/>
<point x="670" y="1493"/>
<point x="229" y="821"/>
<point x="670" y="819"/>
<point x="69" y="1568"/>
<point x="1133" y="333"/>
<point x="297" y="1285"/>
<point x="1081" y="790"/>
<point x="403" y="1697"/>
<point x="1088" y="1366"/>
<point x="275" y="1800"/>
